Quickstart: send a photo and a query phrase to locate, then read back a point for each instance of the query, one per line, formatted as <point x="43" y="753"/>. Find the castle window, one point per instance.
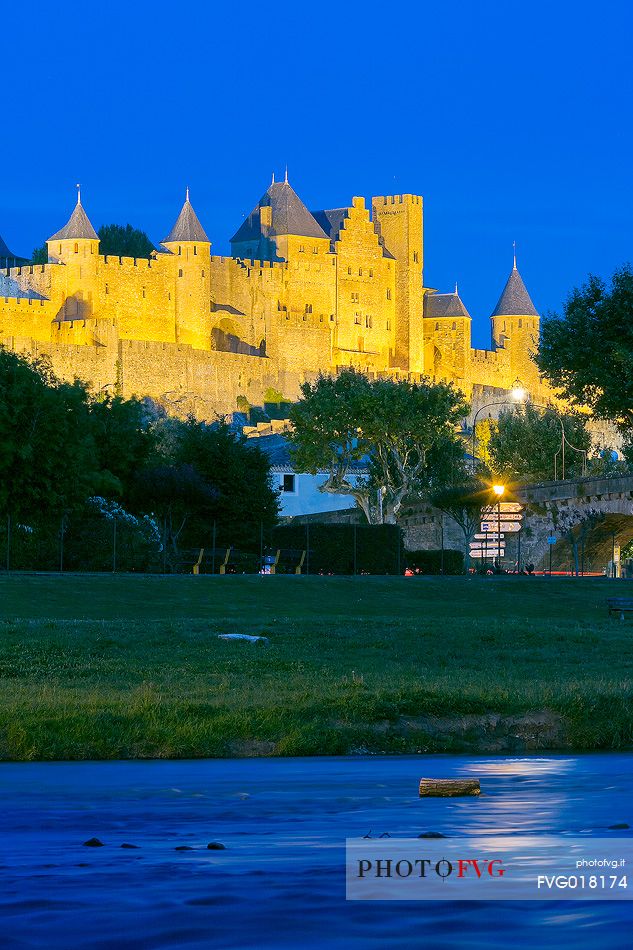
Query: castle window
<point x="416" y="257"/>
<point x="368" y="321"/>
<point x="349" y="269"/>
<point x="371" y="273"/>
<point x="454" y="325"/>
<point x="331" y="318"/>
<point x="76" y="249"/>
<point x="203" y="271"/>
<point x="107" y="289"/>
<point x="60" y="248"/>
<point x="195" y="250"/>
<point x="143" y="292"/>
<point x="355" y="297"/>
<point x="301" y="248"/>
<point x="389" y="324"/>
<point x="388" y="293"/>
<point x="308" y="308"/>
<point x="179" y="249"/>
<point x="520" y="323"/>
<point x="360" y="271"/>
<point x="315" y="250"/>
<point x="437" y="326"/>
<point x="357" y="320"/>
<point x="180" y="272"/>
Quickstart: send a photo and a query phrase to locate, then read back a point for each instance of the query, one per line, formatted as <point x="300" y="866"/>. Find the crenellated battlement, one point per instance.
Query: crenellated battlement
<point x="199" y="330"/>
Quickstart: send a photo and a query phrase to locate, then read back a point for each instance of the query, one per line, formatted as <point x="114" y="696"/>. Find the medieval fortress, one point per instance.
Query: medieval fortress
<point x="303" y="292"/>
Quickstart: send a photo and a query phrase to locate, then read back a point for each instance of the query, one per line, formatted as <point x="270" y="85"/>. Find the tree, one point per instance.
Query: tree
<point x="40" y="255"/>
<point x="124" y="241"/>
<point x="463" y="503"/>
<point x="47" y="450"/>
<point x="124" y="440"/>
<point x="587" y="353"/>
<point x="523" y="444"/>
<point x="240" y="474"/>
<point x="404" y="434"/>
<point x="178" y="494"/>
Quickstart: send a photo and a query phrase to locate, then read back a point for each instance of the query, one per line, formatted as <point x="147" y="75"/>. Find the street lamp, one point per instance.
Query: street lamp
<point x="518" y="394"/>
<point x="499" y="491"/>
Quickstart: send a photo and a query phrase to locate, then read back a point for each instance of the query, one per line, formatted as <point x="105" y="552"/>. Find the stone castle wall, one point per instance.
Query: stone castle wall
<point x="196" y="331"/>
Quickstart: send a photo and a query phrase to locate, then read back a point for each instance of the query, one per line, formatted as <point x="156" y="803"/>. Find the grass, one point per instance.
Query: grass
<point x="126" y="666"/>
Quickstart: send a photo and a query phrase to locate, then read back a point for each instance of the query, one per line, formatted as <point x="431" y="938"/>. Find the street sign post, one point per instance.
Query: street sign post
<point x="509" y="526"/>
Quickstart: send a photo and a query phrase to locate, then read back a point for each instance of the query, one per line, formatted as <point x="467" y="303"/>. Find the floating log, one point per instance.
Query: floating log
<point x="449" y="787"/>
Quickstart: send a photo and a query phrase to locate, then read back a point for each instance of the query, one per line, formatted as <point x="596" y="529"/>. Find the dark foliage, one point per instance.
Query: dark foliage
<point x="341" y="548"/>
<point x="436" y="562"/>
<point x="587" y="352"/>
<point x="124" y="241"/>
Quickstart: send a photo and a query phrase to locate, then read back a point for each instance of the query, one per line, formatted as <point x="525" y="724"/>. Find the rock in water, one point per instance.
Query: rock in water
<point x="431" y="834"/>
<point x="183" y="847"/>
<point x="126" y="845"/>
<point x="449" y="787"/>
<point x="216" y="846"/>
<point x="93" y="843"/>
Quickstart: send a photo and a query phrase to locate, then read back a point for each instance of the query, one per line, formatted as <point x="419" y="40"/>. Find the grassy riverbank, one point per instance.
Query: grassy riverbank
<point x="120" y="667"/>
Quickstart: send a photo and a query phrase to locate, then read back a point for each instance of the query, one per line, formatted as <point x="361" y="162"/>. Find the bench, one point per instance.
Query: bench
<point x="620" y="605"/>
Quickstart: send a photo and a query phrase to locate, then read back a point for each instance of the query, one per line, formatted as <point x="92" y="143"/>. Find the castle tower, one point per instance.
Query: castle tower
<point x="447" y="334"/>
<point x="515" y="329"/>
<point x="278" y="227"/>
<point x="189" y="244"/>
<point x="399" y="220"/>
<point x="76" y="246"/>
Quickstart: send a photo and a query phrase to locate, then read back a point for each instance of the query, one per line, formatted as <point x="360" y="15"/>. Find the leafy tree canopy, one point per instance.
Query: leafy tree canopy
<point x="124" y="440"/>
<point x="244" y="500"/>
<point x="587" y="352"/>
<point x="523" y="444"/>
<point x="124" y="241"/>
<point x="406" y="434"/>
<point x="47" y="450"/>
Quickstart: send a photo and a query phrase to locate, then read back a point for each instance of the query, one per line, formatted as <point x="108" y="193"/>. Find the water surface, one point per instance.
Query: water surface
<point x="280" y="883"/>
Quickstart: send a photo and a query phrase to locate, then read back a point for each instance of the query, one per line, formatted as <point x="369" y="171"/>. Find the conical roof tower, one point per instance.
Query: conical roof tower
<point x="515" y="300"/>
<point x="187" y="227"/>
<point x="78" y="226"/>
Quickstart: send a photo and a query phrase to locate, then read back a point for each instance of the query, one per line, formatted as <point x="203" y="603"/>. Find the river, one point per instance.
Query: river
<point x="280" y="881"/>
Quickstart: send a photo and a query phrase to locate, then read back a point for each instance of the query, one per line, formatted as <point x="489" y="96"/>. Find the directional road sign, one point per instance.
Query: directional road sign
<point x="490" y="553"/>
<point x="509" y="526"/>
<point x="489" y="535"/>
<point x="503" y="506"/>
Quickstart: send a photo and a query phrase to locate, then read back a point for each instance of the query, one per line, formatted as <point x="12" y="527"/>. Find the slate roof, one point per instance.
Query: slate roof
<point x="78" y="227"/>
<point x="444" y="305"/>
<point x="187" y="226"/>
<point x="4" y="250"/>
<point x="515" y="300"/>
<point x="289" y="216"/>
<point x="331" y="221"/>
<point x="277" y="448"/>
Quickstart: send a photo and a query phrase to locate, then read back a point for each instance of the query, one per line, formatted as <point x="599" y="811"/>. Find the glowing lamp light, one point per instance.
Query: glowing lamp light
<point x="518" y="392"/>
<point x="498" y="489"/>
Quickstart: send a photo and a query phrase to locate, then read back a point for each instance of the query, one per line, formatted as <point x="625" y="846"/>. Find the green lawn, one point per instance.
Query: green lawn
<point x="119" y="667"/>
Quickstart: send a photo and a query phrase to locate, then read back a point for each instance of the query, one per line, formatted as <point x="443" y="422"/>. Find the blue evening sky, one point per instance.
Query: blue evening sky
<point x="512" y="119"/>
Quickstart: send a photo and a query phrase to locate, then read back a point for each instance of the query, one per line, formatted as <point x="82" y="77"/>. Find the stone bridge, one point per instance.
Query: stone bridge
<point x="590" y="517"/>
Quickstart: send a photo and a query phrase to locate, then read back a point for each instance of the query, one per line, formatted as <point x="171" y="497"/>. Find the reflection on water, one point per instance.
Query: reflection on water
<point x="280" y="882"/>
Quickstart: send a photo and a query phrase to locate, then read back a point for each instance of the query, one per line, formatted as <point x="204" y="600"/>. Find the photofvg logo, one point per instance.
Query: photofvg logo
<point x="489" y="868"/>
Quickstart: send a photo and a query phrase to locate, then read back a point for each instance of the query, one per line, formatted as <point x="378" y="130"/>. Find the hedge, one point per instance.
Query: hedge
<point x="341" y="548"/>
<point x="431" y="562"/>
